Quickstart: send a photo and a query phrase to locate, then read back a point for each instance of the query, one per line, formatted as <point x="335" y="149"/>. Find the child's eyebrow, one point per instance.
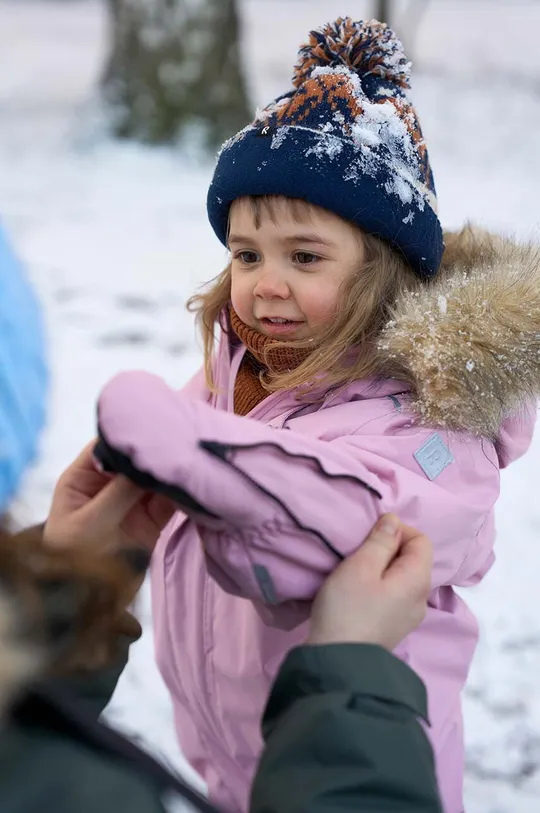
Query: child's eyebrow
<point x="309" y="238"/>
<point x="239" y="238"/>
<point x="314" y="239"/>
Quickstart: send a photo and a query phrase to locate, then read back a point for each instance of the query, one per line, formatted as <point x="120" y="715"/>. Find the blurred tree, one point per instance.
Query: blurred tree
<point x="174" y="64"/>
<point x="382" y="11"/>
<point x="405" y="18"/>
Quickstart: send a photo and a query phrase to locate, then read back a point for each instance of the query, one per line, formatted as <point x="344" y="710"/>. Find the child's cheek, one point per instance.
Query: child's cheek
<point x="242" y="301"/>
<point x="320" y="307"/>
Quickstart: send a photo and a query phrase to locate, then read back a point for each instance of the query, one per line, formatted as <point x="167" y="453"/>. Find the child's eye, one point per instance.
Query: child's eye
<point x="247" y="257"/>
<point x="305" y="258"/>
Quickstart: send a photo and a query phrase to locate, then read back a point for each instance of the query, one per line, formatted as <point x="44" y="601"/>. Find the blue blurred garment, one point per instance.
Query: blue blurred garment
<point x="23" y="374"/>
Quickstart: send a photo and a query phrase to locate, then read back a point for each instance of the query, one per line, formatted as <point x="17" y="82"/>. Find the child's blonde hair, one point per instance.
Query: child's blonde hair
<point x="363" y="310"/>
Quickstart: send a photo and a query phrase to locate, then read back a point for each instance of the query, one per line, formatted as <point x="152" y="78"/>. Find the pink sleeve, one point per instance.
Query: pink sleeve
<point x="196" y="387"/>
<point x="278" y="510"/>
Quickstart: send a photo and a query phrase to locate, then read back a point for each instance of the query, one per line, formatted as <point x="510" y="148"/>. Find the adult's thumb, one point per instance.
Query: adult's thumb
<point x="379" y="548"/>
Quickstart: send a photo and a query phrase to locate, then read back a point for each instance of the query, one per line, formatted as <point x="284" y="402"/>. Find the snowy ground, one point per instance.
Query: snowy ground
<point x="115" y="237"/>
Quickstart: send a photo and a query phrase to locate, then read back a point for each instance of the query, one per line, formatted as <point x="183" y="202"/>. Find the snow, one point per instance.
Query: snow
<point x="408" y="218"/>
<point x="115" y="237"/>
<point x="399" y="186"/>
<point x="279" y="137"/>
<point x="328" y="145"/>
<point x="379" y="122"/>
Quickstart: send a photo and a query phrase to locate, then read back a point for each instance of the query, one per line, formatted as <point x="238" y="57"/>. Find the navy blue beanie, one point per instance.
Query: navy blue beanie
<point x="345" y="137"/>
<point x="23" y="373"/>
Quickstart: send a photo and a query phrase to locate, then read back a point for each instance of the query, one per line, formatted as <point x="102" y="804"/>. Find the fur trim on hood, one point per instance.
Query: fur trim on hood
<point x="19" y="660"/>
<point x="469" y="342"/>
<point x="62" y="609"/>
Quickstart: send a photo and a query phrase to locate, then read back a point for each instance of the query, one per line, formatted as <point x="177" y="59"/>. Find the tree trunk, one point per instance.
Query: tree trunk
<point x="382" y="11"/>
<point x="175" y="64"/>
<point x="408" y="26"/>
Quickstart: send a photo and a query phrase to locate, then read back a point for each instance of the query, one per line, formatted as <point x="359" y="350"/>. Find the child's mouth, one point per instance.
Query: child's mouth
<point x="277" y="326"/>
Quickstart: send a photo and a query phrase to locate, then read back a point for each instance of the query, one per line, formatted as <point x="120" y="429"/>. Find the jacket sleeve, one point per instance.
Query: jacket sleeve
<point x="276" y="509"/>
<point x="342" y="732"/>
<point x="196" y="387"/>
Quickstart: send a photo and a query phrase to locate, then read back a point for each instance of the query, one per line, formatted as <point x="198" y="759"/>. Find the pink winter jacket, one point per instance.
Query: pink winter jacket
<point x="274" y="500"/>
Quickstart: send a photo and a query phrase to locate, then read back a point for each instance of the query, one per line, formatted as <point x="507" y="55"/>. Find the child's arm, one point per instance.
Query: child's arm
<point x="277" y="509"/>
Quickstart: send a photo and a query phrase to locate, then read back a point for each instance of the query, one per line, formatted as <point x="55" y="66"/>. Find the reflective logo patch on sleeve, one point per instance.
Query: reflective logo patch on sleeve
<point x="433" y="456"/>
<point x="266" y="585"/>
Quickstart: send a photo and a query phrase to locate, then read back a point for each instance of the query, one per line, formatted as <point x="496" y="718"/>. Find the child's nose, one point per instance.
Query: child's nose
<point x="271" y="285"/>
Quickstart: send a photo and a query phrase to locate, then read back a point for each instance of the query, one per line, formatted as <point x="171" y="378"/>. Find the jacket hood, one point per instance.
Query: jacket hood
<point x="468" y="343"/>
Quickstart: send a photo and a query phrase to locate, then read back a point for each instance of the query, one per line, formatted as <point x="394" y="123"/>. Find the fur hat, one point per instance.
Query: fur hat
<point x="345" y="137"/>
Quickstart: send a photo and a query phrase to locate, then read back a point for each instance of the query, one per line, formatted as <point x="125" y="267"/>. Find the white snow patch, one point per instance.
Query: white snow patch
<point x="408" y="219"/>
<point x="365" y="135"/>
<point x="381" y="125"/>
<point x="400" y="187"/>
<point x="326" y="145"/>
<point x="279" y="137"/>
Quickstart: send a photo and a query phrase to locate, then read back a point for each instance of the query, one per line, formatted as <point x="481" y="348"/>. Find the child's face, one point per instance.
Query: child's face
<point x="287" y="274"/>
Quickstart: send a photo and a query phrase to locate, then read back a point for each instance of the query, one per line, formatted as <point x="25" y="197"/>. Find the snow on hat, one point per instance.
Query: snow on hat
<point x="345" y="137"/>
<point x="23" y="376"/>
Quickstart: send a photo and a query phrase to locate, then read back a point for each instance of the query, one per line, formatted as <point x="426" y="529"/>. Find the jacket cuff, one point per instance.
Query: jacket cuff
<point x="355" y="669"/>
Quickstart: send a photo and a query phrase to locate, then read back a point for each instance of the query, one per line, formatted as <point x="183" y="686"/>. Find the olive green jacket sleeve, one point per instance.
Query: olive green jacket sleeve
<point x="342" y="730"/>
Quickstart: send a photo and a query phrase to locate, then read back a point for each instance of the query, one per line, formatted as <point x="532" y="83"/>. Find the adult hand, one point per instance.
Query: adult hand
<point x="93" y="508"/>
<point x="378" y="595"/>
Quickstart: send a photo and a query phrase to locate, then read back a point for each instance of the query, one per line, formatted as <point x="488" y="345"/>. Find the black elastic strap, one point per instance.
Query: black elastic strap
<point x="117" y="462"/>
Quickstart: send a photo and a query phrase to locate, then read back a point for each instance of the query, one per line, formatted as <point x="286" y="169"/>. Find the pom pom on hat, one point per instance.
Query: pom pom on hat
<point x="367" y="48"/>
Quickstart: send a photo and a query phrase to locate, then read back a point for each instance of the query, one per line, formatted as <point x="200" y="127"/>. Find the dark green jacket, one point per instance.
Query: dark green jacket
<point x="341" y="728"/>
<point x="342" y="733"/>
<point x="48" y="762"/>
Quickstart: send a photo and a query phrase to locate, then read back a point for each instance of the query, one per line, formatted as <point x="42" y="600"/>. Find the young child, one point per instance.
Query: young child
<point x="358" y="371"/>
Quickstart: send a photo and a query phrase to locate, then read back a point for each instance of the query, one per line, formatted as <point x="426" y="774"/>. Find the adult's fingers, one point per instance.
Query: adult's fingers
<point x="413" y="564"/>
<point x="379" y="548"/>
<point x="108" y="509"/>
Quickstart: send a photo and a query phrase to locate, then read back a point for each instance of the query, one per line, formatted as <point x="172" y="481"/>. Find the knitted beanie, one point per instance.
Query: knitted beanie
<point x="345" y="137"/>
<point x="23" y="376"/>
